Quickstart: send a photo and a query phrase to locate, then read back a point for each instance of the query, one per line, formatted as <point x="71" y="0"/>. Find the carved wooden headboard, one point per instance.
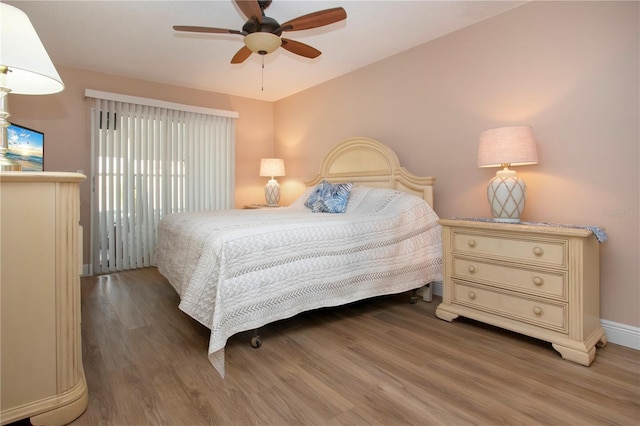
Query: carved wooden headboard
<point x="368" y="162"/>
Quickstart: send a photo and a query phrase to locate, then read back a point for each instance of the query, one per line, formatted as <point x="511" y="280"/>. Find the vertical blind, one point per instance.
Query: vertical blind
<point x="150" y="161"/>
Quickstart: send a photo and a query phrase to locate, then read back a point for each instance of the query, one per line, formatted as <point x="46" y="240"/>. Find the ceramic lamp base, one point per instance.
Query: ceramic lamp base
<point x="506" y="194"/>
<point x="272" y="192"/>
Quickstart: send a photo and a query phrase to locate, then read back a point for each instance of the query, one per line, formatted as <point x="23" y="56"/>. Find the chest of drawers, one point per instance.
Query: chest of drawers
<point x="541" y="281"/>
<point x="41" y="371"/>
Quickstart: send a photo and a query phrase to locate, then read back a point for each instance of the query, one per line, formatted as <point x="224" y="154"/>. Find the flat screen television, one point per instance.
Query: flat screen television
<point x="26" y="147"/>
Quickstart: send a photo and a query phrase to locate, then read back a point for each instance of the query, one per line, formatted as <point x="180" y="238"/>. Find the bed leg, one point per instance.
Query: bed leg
<point x="414" y="296"/>
<point x="427" y="292"/>
<point x="256" y="341"/>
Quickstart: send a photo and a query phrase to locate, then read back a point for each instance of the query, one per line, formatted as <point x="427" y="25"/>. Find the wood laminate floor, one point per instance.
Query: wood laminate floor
<point x="378" y="362"/>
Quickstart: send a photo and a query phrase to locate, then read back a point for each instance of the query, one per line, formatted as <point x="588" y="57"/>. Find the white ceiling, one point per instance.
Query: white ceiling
<point x="136" y="39"/>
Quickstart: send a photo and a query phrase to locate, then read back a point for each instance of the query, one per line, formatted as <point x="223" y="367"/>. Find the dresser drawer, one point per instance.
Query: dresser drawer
<point x="521" y="279"/>
<point x="544" y="251"/>
<point x="545" y="314"/>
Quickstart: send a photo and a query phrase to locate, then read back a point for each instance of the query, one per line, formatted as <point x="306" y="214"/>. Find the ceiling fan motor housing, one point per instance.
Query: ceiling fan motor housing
<point x="264" y="4"/>
<point x="268" y="25"/>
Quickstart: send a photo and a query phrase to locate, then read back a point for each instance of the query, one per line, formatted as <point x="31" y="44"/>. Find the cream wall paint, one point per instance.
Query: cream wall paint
<point x="63" y="118"/>
<point x="569" y="69"/>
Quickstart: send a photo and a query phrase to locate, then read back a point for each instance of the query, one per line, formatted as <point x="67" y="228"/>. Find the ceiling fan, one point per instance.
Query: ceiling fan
<point x="262" y="33"/>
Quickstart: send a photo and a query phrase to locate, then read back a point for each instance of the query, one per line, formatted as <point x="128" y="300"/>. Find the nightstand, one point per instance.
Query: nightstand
<point x="260" y="206"/>
<point x="535" y="279"/>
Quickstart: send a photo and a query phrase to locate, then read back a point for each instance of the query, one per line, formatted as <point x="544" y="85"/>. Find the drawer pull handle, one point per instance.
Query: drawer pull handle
<point x="538" y="251"/>
<point x="537" y="310"/>
<point x="472" y="243"/>
<point x="472" y="268"/>
<point x="538" y="281"/>
<point x="472" y="295"/>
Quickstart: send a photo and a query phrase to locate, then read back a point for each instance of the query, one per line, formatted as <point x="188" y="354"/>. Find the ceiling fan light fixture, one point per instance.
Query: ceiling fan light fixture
<point x="262" y="43"/>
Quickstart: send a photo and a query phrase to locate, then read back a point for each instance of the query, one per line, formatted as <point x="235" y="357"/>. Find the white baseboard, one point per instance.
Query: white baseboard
<point x="620" y="334"/>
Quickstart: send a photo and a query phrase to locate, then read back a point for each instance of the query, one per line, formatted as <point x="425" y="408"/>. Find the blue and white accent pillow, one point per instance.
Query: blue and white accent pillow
<point x="329" y="198"/>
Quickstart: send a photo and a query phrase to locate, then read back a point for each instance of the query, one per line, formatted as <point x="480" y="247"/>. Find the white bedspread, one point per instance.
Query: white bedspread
<point x="238" y="270"/>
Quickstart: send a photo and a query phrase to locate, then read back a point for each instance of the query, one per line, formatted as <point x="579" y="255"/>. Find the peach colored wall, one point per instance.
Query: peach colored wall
<point x="63" y="118"/>
<point x="569" y="69"/>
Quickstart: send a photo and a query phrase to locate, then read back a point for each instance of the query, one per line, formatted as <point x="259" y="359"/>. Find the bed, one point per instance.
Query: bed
<point x="238" y="270"/>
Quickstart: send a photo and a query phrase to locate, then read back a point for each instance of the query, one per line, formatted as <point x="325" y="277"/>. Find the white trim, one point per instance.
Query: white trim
<point x="622" y="334"/>
<point x="90" y="93"/>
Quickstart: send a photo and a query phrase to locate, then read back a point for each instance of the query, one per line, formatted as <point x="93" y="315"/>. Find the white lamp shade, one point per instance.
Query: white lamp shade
<point x="261" y="42"/>
<point x="514" y="145"/>
<point x="272" y="167"/>
<point x="30" y="71"/>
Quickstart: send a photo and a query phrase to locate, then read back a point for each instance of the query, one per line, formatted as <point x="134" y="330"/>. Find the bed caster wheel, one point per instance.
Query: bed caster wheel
<point x="256" y="342"/>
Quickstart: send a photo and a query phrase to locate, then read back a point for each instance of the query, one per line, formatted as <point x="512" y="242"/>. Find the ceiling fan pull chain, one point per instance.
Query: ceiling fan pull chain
<point x="262" y="82"/>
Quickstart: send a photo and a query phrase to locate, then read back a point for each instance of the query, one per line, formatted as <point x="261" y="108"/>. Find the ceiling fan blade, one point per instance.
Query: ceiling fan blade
<point x="315" y="19"/>
<point x="300" y="48"/>
<point x="205" y="30"/>
<point x="241" y="55"/>
<point x="250" y="8"/>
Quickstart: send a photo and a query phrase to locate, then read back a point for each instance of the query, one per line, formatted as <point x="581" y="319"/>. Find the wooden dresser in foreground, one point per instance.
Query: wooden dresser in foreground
<point x="538" y="280"/>
<point x="41" y="372"/>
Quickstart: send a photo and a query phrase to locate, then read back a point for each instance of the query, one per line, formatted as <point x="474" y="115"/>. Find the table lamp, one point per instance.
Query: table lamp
<point x="272" y="167"/>
<point x="25" y="68"/>
<point x="505" y="147"/>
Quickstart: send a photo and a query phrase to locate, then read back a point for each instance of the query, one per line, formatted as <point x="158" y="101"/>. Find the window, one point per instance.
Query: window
<point x="150" y="161"/>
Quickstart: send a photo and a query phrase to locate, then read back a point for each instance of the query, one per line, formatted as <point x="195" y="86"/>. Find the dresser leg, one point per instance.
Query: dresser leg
<point x="602" y="342"/>
<point x="570" y="354"/>
<point x="445" y="315"/>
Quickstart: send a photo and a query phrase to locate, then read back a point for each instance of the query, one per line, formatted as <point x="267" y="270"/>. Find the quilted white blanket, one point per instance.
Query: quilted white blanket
<point x="238" y="270"/>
